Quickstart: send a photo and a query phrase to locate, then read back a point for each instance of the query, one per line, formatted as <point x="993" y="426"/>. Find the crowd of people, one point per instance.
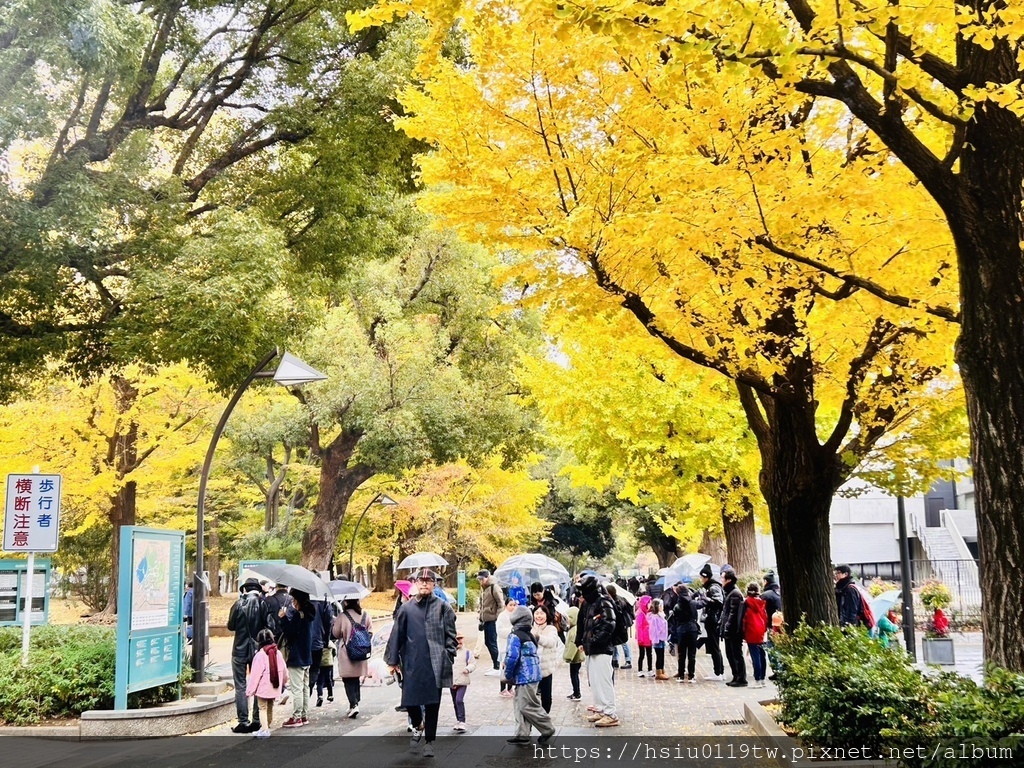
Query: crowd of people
<point x="286" y="644"/>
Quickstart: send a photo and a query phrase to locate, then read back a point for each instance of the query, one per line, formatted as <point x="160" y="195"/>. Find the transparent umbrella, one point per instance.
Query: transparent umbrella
<point x="348" y="590"/>
<point x="686" y="568"/>
<point x="531" y="567"/>
<point x="294" y="576"/>
<point x="423" y="560"/>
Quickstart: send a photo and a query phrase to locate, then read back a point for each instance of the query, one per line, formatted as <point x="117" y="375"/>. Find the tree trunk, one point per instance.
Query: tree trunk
<point x="384" y="576"/>
<point x="665" y="549"/>
<point x="798" y="477"/>
<point x="715" y="546"/>
<point x="338" y="482"/>
<point x="122" y="457"/>
<point x="122" y="512"/>
<point x="741" y="542"/>
<point x="988" y="231"/>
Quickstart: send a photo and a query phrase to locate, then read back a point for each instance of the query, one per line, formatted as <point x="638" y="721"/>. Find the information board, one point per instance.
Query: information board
<point x="13" y="589"/>
<point x="151" y="579"/>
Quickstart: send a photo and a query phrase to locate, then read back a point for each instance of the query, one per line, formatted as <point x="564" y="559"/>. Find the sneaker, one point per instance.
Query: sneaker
<point x="330" y="699"/>
<point x="737" y="683"/>
<point x="519" y="740"/>
<point x="641" y="674"/>
<point x="615" y="664"/>
<point x="459" y="727"/>
<point x="414" y="740"/>
<point x="718" y="678"/>
<point x="320" y="702"/>
<point x="680" y="679"/>
<point x="408" y="729"/>
<point x="492" y="673"/>
<point x="305" y="721"/>
<point x="592" y="709"/>
<point x="574" y="697"/>
<point x="428" y="750"/>
<point x="241" y="728"/>
<point x="285" y="698"/>
<point x="262" y="733"/>
<point x="353" y="712"/>
<point x="400" y="708"/>
<point x="607" y="722"/>
<point x="507" y="694"/>
<point x="772" y="677"/>
<point x="293" y="722"/>
<point x="595" y="717"/>
<point x="627" y="665"/>
<point x="544" y="738"/>
<point x="253" y="727"/>
<point x="692" y="681"/>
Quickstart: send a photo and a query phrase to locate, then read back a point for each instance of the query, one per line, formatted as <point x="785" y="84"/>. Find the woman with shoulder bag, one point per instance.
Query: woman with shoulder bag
<point x="350" y="670"/>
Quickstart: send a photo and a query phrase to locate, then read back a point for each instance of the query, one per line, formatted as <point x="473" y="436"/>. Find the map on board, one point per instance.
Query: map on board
<point x="151" y="584"/>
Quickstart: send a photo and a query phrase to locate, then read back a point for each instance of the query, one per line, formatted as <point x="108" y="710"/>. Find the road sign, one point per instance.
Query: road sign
<point x="32" y="513"/>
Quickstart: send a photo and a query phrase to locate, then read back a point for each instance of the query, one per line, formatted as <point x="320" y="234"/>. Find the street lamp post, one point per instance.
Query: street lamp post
<point x="384" y="500"/>
<point x="290" y="372"/>
<point x="905" y="588"/>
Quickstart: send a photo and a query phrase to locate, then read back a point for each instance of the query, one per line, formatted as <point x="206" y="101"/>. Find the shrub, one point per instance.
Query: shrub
<point x="841" y="688"/>
<point x="70" y="670"/>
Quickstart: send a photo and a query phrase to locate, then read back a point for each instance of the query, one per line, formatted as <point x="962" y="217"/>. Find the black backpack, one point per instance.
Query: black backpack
<point x="620" y="635"/>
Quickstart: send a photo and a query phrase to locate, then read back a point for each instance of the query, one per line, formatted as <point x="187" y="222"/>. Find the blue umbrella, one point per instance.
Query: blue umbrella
<point x="660" y="582"/>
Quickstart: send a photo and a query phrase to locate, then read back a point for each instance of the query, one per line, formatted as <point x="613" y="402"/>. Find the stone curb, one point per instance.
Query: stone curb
<point x="764" y="725"/>
<point x="172" y="719"/>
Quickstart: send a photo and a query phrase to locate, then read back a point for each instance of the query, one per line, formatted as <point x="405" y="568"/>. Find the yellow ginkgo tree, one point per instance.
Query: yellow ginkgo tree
<point x="689" y="204"/>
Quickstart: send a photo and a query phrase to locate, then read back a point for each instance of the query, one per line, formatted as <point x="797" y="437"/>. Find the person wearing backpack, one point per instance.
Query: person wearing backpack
<point x="849" y="601"/>
<point x="625" y="611"/>
<point x="353" y="630"/>
<point x="754" y="623"/>
<point x="685" y="613"/>
<point x="601" y="629"/>
<point x="522" y="668"/>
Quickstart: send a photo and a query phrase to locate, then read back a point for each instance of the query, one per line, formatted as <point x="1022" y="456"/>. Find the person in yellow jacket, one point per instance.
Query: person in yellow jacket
<point x="574" y="655"/>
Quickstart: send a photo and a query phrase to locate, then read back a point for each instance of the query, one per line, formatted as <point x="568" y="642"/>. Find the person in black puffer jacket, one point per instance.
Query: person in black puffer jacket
<point x="248" y="616"/>
<point x="684" y="614"/>
<point x="596" y="637"/>
<point x="732" y="631"/>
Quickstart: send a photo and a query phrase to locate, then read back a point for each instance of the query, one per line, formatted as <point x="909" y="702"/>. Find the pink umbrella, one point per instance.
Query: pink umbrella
<point x="403" y="586"/>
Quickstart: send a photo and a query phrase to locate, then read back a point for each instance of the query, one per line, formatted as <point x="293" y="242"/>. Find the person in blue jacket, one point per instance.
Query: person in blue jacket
<point x="522" y="667"/>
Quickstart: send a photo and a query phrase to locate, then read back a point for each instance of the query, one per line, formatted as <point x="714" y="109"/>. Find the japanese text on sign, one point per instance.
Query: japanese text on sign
<point x="32" y="513"/>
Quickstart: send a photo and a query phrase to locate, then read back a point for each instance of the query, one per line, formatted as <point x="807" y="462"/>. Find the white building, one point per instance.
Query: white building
<point x="941" y="528"/>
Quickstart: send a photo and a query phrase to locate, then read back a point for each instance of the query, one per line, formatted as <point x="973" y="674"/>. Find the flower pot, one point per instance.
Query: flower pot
<point x="938" y="650"/>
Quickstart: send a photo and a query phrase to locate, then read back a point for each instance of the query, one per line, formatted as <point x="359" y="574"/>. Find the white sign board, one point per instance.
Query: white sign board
<point x="32" y="514"/>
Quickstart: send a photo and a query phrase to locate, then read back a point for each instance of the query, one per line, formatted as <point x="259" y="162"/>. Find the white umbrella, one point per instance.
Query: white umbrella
<point x="294" y="576"/>
<point x="423" y="560"/>
<point x="348" y="590"/>
<point x="625" y="594"/>
<point x="686" y="568"/>
<point x="531" y="567"/>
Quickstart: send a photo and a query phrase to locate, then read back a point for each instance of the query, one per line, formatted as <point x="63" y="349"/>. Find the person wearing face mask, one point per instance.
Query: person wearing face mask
<point x="422" y="646"/>
<point x="546" y="635"/>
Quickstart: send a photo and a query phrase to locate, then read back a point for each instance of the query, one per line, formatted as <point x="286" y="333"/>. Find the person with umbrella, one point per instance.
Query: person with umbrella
<point x="297" y="627"/>
<point x="248" y="616"/>
<point x="422" y="646"/>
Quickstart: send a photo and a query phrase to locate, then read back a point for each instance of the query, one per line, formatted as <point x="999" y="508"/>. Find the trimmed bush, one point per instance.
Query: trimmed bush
<point x="70" y="670"/>
<point x="840" y="688"/>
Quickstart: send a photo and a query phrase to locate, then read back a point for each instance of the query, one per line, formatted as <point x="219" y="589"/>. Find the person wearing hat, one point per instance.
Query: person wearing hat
<point x="731" y="629"/>
<point x="523" y="669"/>
<point x="596" y="637"/>
<point x="423" y="645"/>
<point x="247" y="617"/>
<point x="491" y="603"/>
<point x="712" y="599"/>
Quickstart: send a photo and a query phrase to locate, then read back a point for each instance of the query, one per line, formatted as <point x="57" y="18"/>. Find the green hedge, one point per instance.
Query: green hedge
<point x="840" y="688"/>
<point x="70" y="670"/>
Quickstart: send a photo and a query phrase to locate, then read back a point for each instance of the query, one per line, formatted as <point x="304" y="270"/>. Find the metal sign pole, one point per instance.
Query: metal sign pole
<point x="26" y="614"/>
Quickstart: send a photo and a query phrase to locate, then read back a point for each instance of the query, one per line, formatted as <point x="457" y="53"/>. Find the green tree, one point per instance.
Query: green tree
<point x="419" y="354"/>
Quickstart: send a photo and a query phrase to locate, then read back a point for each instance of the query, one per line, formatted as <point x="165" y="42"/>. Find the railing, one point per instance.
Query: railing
<point x="961" y="576"/>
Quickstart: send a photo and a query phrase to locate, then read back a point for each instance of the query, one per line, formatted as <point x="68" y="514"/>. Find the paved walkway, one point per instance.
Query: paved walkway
<point x="646" y="707"/>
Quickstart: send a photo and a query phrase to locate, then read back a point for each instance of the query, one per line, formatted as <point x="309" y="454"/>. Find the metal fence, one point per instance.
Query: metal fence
<point x="961" y="576"/>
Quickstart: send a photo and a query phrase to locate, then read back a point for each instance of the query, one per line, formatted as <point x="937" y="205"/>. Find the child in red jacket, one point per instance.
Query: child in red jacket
<point x="754" y="621"/>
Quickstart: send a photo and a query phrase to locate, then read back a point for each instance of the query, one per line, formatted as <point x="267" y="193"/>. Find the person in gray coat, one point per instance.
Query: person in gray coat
<point x="422" y="649"/>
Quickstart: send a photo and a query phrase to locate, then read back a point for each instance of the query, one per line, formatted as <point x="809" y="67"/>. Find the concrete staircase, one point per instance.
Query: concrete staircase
<point x="951" y="561"/>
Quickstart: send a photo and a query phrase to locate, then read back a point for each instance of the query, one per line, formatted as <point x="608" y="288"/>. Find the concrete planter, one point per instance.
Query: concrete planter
<point x="938" y="650"/>
<point x="792" y="752"/>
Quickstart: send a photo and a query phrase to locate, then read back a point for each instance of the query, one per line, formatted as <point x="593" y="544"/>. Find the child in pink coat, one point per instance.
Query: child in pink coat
<point x="268" y="676"/>
<point x="643" y="637"/>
